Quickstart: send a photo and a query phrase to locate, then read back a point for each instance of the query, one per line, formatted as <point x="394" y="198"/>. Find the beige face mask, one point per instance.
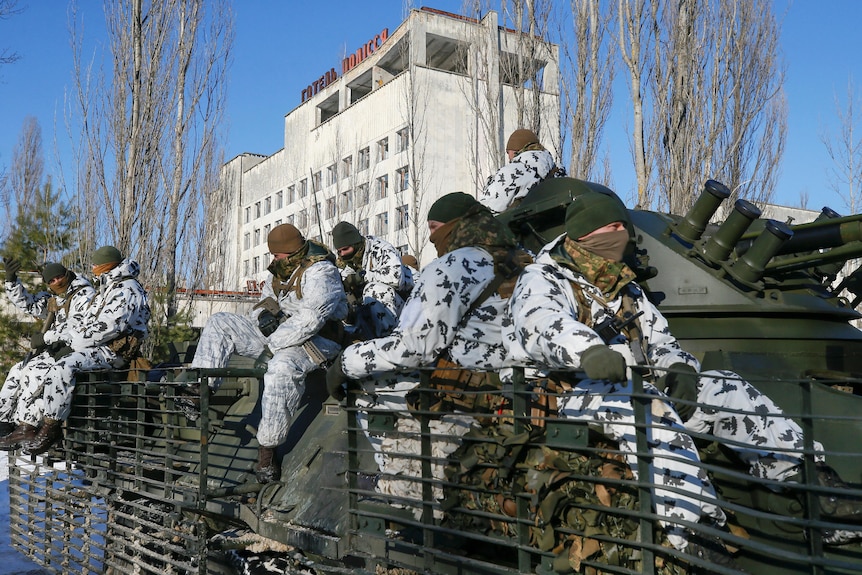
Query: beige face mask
<point x="609" y="245"/>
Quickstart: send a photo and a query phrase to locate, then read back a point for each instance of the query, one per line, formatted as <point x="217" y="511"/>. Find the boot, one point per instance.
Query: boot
<point x="50" y="432"/>
<point x="6" y="427"/>
<point x="267" y="468"/>
<point x="24" y="432"/>
<point x="833" y="505"/>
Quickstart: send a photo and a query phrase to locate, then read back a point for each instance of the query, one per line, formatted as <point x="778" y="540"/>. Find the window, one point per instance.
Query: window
<point x="267" y="206"/>
<point x="347" y="201"/>
<point x="246" y="241"/>
<point x="303" y="188"/>
<point x="402" y="140"/>
<point x="257" y="237"/>
<point x="382" y="187"/>
<point x="332" y="175"/>
<point x="302" y="219"/>
<point x="256" y="266"/>
<point x="245" y="267"/>
<point x="266" y="229"/>
<point x="291" y="194"/>
<point x="312" y="216"/>
<point x="247" y="215"/>
<point x="277" y="223"/>
<point x="383" y="149"/>
<point x="279" y="200"/>
<point x="331" y="208"/>
<point x="402" y="216"/>
<point x="347" y="166"/>
<point x="402" y="250"/>
<point x="256" y="210"/>
<point x="362" y="195"/>
<point x="364" y="159"/>
<point x="403" y="175"/>
<point x="381" y="224"/>
<point x="363" y="227"/>
<point x="291" y="218"/>
<point x="316" y="182"/>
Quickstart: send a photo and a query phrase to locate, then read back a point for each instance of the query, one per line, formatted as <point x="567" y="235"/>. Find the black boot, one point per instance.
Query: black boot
<point x="23" y="433"/>
<point x="834" y="505"/>
<point x="50" y="432"/>
<point x="6" y="428"/>
<point x="267" y="468"/>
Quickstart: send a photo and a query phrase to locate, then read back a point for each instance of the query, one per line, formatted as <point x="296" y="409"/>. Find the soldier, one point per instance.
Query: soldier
<point x="452" y="320"/>
<point x="63" y="305"/>
<point x="529" y="164"/>
<point x="372" y="273"/>
<point x="294" y="328"/>
<point x="558" y="306"/>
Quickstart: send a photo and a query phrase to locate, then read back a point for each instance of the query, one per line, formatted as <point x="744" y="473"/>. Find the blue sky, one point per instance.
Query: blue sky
<point x="281" y="46"/>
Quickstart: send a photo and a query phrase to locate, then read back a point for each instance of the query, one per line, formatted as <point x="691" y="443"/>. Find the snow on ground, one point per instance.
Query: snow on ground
<point x="11" y="561"/>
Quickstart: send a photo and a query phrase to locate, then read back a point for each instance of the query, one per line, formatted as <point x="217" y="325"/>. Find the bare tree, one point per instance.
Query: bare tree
<point x="585" y="85"/>
<point x="845" y="150"/>
<point x="149" y="153"/>
<point x="21" y="185"/>
<point x="8" y="8"/>
<point x="635" y="35"/>
<point x="717" y="107"/>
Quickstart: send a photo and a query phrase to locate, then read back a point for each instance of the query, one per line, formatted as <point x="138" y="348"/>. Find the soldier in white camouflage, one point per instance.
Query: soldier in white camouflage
<point x="62" y="306"/>
<point x="294" y="329"/>
<point x="451" y="315"/>
<point x="529" y="163"/>
<point x="578" y="282"/>
<point x="373" y="274"/>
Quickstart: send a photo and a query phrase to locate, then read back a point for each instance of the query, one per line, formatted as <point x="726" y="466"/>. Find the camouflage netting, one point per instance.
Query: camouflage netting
<point x="566" y="498"/>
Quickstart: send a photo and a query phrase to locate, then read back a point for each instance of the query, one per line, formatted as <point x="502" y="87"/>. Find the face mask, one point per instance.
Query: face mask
<point x="61" y="286"/>
<point x="440" y="236"/>
<point x="609" y="245"/>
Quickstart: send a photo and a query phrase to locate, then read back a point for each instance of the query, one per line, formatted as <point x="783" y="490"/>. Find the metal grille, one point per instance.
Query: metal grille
<point x="118" y="496"/>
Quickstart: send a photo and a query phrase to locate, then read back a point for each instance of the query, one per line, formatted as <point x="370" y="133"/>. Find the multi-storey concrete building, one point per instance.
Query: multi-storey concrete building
<point x="409" y="116"/>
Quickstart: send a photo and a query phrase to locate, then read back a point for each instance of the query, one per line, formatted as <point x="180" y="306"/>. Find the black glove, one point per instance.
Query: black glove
<point x="37" y="341"/>
<point x="680" y="382"/>
<point x="13" y="266"/>
<point x="335" y="379"/>
<point x="59" y="350"/>
<point x="263" y="359"/>
<point x="601" y="362"/>
<point x="267" y="323"/>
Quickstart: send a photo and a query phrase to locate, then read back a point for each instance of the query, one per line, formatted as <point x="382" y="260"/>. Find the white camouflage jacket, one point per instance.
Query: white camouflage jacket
<point x="431" y="321"/>
<point x="515" y="179"/>
<point x="322" y="299"/>
<point x="547" y="333"/>
<point x="81" y="292"/>
<point x="118" y="308"/>
<point x="384" y="274"/>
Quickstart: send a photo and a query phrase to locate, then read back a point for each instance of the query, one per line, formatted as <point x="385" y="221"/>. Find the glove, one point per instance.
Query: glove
<point x="264" y="357"/>
<point x="37" y="341"/>
<point x="60" y="350"/>
<point x="601" y="362"/>
<point x="680" y="382"/>
<point x="13" y="266"/>
<point x="267" y="323"/>
<point x="354" y="282"/>
<point x="335" y="378"/>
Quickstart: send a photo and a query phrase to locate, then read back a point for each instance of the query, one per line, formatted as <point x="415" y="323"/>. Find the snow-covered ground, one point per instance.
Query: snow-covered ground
<point x="11" y="561"/>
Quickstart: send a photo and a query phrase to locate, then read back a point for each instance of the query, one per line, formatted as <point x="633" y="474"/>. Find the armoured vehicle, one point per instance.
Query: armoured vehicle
<point x="139" y="487"/>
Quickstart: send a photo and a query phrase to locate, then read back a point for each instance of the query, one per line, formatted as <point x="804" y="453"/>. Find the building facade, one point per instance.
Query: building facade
<point x="409" y="116"/>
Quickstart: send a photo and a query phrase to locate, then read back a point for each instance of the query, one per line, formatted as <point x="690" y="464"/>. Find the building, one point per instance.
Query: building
<point x="407" y="117"/>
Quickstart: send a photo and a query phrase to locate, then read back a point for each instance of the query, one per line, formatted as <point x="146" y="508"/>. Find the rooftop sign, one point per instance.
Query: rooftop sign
<point x="347" y="64"/>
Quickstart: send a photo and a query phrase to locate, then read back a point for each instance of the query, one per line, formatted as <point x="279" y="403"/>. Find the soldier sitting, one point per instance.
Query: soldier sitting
<point x="294" y="329"/>
<point x="374" y="279"/>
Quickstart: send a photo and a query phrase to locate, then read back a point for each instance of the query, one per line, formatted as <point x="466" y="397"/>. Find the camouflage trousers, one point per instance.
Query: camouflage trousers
<point x="681" y="488"/>
<point x="46" y="387"/>
<point x="749" y="423"/>
<point x="284" y="382"/>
